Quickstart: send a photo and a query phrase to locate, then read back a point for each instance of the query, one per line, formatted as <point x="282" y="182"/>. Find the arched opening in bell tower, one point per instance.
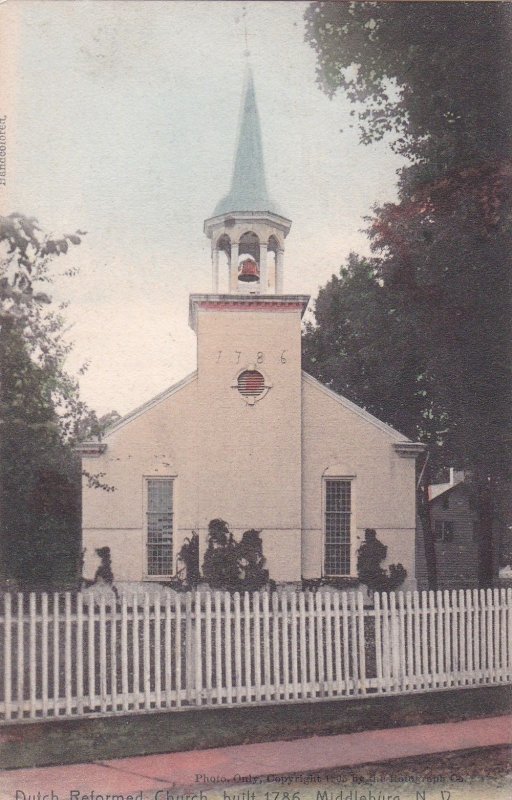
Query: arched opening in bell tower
<point x="249" y="246"/>
<point x="249" y="263"/>
<point x="223" y="247"/>
<point x="272" y="248"/>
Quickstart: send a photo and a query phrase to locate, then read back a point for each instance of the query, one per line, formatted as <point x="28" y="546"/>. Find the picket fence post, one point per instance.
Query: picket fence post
<point x="508" y="642"/>
<point x="294" y="620"/>
<point x="44" y="657"/>
<point x="256" y="650"/>
<point x="503" y="634"/>
<point x="158" y="650"/>
<point x="312" y="645"/>
<point x="67" y="654"/>
<point x="410" y="643"/>
<point x="7" y="656"/>
<point x="284" y="644"/>
<point x="238" y="647"/>
<point x="354" y="643"/>
<point x="320" y="642"/>
<point x="496" y="628"/>
<point x="20" y="647"/>
<point x="247" y="648"/>
<point x="337" y="644"/>
<point x="303" y="651"/>
<point x="328" y="641"/>
<point x="208" y="646"/>
<point x="361" y="643"/>
<point x="124" y="653"/>
<point x="401" y="639"/>
<point x="227" y="648"/>
<point x="431" y="634"/>
<point x="178" y="648"/>
<point x="378" y="640"/>
<point x="169" y="653"/>
<point x="441" y="663"/>
<point x="198" y="659"/>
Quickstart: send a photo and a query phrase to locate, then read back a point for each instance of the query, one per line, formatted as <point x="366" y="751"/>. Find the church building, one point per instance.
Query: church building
<point x="249" y="437"/>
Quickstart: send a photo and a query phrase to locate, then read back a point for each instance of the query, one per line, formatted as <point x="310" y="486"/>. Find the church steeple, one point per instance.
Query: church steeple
<point x="246" y="222"/>
<point x="248" y="190"/>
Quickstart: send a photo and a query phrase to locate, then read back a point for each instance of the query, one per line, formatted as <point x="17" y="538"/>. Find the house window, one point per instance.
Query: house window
<point x="159" y="525"/>
<point x="444" y="530"/>
<point x="337" y="526"/>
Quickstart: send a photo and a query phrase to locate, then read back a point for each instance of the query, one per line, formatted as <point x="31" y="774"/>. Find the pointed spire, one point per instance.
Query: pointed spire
<point x="248" y="190"/>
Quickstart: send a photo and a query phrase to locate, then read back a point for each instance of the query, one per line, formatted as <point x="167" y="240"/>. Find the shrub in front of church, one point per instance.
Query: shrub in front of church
<point x="232" y="565"/>
<point x="189" y="557"/>
<point x="251" y="562"/>
<point x="369" y="558"/>
<point x="220" y="568"/>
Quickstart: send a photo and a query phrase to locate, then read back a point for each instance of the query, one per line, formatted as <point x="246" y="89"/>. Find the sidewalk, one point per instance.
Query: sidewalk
<point x="203" y="768"/>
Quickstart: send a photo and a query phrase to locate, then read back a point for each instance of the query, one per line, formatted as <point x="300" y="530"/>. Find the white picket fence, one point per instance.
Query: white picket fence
<point x="73" y="655"/>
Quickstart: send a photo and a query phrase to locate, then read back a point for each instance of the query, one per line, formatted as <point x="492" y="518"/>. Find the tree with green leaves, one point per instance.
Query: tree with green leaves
<point x="41" y="415"/>
<point x="39" y="477"/>
<point x="435" y="79"/>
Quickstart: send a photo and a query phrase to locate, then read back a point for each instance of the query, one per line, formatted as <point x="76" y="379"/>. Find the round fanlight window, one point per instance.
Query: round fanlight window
<point x="251" y="383"/>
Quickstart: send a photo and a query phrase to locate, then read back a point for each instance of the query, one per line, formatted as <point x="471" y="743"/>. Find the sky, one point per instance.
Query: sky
<point x="122" y="121"/>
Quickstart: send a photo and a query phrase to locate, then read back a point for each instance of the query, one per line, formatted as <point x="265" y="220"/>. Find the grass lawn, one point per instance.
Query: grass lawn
<point x="71" y="741"/>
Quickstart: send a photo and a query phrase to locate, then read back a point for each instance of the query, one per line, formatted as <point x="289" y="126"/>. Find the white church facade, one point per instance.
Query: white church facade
<point x="249" y="437"/>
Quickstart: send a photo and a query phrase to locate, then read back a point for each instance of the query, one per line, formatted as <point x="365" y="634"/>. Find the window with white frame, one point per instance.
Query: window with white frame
<point x="337" y="523"/>
<point x="159" y="525"/>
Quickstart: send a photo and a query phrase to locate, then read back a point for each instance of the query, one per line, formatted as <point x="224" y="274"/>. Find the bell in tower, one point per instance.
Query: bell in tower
<point x="248" y="271"/>
<point x="246" y="225"/>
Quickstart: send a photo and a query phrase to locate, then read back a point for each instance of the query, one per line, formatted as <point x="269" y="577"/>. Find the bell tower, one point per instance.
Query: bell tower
<point x="246" y="224"/>
<point x="249" y="366"/>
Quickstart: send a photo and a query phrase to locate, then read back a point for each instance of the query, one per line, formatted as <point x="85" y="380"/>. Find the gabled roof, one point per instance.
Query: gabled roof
<point x="437" y="489"/>
<point x="248" y="190"/>
<point x="176" y="387"/>
<point x="361" y="412"/>
<point x="159" y="398"/>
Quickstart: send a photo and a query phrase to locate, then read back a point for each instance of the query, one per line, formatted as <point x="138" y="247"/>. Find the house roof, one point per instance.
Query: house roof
<point x="437" y="489"/>
<point x="248" y="191"/>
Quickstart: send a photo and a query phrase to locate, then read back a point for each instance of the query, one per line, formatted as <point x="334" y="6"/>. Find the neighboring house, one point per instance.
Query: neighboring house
<point x="249" y="437"/>
<point x="455" y="525"/>
<point x="454" y="522"/>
